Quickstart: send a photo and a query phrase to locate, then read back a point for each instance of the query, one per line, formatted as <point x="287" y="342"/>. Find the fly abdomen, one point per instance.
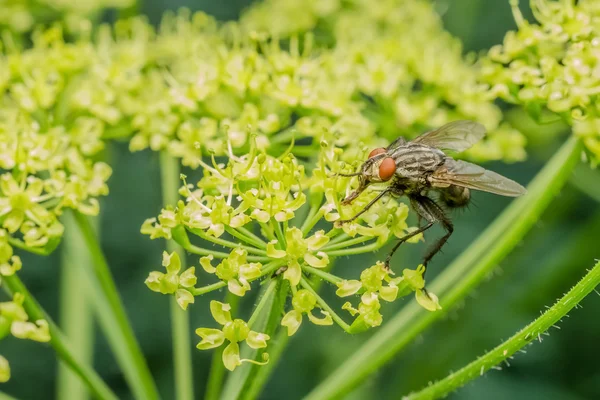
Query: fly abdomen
<point x="455" y="196"/>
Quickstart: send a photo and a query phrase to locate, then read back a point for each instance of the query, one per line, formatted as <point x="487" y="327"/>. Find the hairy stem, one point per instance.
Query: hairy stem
<point x="518" y="341"/>
<point x="76" y="318"/>
<point x="12" y="284"/>
<point x="457" y="281"/>
<point x="180" y="321"/>
<point x="113" y="319"/>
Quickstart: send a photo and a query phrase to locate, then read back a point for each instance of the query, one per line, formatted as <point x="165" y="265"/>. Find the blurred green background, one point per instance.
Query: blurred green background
<point x="553" y="256"/>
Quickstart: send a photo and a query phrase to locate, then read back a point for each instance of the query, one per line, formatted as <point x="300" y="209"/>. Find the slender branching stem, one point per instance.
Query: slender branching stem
<point x="12" y="284"/>
<point x="323" y="304"/>
<point x="180" y="321"/>
<point x="112" y="316"/>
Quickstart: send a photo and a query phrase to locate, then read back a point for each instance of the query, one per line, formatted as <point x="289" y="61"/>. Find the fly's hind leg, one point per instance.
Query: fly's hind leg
<point x="435" y="211"/>
<point x="426" y="209"/>
<point x="422" y="213"/>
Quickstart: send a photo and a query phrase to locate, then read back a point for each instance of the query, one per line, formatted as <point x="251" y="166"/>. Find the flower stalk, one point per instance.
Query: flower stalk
<point x="12" y="284"/>
<point x="521" y="339"/>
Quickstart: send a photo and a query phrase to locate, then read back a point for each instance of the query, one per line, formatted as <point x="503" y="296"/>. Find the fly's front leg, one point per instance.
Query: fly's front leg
<point x="365" y="208"/>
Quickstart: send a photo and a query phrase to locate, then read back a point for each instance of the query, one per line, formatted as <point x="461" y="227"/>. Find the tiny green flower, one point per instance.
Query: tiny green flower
<point x="303" y="302"/>
<point x="173" y="282"/>
<point x="234" y="331"/>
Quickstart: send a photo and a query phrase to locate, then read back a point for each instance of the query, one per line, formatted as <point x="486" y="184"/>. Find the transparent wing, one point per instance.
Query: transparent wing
<point x="456" y="136"/>
<point x="396" y="143"/>
<point x="462" y="173"/>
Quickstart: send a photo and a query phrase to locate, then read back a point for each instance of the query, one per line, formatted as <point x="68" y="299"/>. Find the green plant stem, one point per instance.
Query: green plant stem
<point x="267" y="269"/>
<point x="262" y="303"/>
<point x="20" y="245"/>
<point x="180" y="321"/>
<point x="226" y="243"/>
<point x="257" y="240"/>
<point x="323" y="304"/>
<point x="12" y="284"/>
<point x="341" y="244"/>
<point x="354" y="250"/>
<point x="322" y="274"/>
<point x="235" y="232"/>
<point x="263" y="319"/>
<point x="113" y="319"/>
<point x="524" y="337"/>
<point x="276" y="227"/>
<point x="268" y="231"/>
<point x="276" y="346"/>
<point x="314" y="216"/>
<point x="76" y="317"/>
<point x="457" y="280"/>
<point x="219" y="254"/>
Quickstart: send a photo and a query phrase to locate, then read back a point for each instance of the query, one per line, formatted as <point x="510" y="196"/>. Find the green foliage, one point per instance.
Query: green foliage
<point x="271" y="109"/>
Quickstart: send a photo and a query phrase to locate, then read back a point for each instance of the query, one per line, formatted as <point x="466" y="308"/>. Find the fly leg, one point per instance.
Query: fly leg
<point x="365" y="208"/>
<point x="426" y="209"/>
<point x="404" y="239"/>
<point x="434" y="211"/>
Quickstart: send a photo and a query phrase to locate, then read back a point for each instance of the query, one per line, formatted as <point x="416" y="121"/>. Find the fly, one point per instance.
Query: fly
<point x="418" y="167"/>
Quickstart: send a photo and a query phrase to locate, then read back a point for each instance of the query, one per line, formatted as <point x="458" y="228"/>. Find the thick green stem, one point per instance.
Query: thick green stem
<point x="505" y="351"/>
<point x="113" y="319"/>
<point x="180" y="321"/>
<point x="456" y="282"/>
<point x="12" y="284"/>
<point x="76" y="317"/>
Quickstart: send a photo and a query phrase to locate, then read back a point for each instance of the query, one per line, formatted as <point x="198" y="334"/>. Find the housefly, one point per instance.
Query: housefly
<point x="419" y="167"/>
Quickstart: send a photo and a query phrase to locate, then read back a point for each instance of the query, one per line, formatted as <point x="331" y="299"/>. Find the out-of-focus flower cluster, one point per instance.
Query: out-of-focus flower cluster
<point x="553" y="64"/>
<point x="23" y="15"/>
<point x="14" y="321"/>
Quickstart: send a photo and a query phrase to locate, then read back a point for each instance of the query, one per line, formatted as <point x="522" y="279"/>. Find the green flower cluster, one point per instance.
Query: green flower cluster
<point x="553" y="65"/>
<point x="23" y="15"/>
<point x="271" y="112"/>
<point x="14" y="320"/>
<point x="265" y="211"/>
<point x="48" y="151"/>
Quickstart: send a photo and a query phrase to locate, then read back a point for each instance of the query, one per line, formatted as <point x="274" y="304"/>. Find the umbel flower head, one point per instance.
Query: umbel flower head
<point x="270" y="118"/>
<point x="552" y="65"/>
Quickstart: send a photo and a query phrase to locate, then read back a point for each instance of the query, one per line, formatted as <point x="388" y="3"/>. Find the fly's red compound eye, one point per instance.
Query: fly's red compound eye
<point x="387" y="168"/>
<point x="375" y="152"/>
